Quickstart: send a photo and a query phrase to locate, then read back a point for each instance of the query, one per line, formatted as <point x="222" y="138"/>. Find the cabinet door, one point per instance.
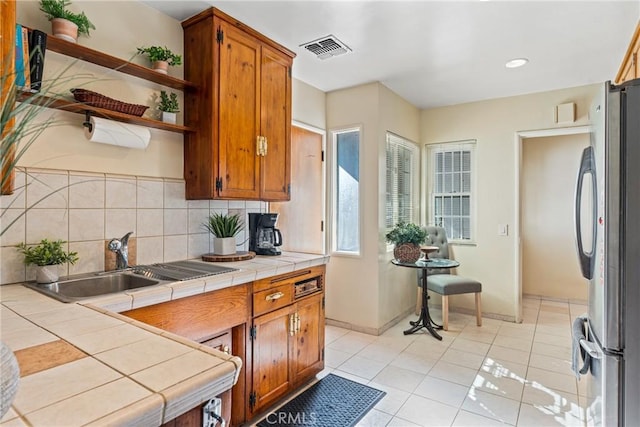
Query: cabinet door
<point x="239" y="114"/>
<point x="308" y="356"/>
<point x="271" y="369"/>
<point x="275" y="123"/>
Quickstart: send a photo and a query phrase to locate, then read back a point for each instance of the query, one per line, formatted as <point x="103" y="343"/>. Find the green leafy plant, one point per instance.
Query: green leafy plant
<point x="159" y="53"/>
<point x="221" y="225"/>
<point x="405" y="232"/>
<point x="58" y="9"/>
<point x="47" y="253"/>
<point x="168" y="103"/>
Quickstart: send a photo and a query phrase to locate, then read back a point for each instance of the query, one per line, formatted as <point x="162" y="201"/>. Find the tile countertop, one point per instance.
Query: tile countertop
<point x="85" y="364"/>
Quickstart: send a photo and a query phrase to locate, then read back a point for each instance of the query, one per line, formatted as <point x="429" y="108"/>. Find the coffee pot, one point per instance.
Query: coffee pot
<point x="264" y="237"/>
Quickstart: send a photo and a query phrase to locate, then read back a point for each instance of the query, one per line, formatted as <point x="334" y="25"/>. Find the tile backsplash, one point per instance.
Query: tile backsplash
<point x="85" y="209"/>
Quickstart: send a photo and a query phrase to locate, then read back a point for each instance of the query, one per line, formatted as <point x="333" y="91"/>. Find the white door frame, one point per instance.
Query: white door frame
<point x="520" y="136"/>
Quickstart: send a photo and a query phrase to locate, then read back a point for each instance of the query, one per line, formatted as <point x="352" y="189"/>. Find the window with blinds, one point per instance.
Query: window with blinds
<point x="452" y="175"/>
<point x="402" y="181"/>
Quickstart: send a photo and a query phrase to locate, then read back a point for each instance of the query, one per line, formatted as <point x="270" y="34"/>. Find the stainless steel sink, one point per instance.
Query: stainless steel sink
<point x="90" y="285"/>
<point x="81" y="288"/>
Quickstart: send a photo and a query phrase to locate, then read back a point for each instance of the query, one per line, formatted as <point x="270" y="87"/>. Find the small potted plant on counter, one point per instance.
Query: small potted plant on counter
<point x="169" y="106"/>
<point x="47" y="255"/>
<point x="65" y="24"/>
<point x="161" y="57"/>
<point x="407" y="238"/>
<point x="224" y="229"/>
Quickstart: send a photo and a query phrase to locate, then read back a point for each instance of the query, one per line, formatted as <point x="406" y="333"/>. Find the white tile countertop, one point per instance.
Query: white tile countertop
<point x="89" y="365"/>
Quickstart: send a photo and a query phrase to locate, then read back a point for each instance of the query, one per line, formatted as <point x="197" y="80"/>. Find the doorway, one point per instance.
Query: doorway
<point x="301" y="220"/>
<point x="549" y="263"/>
<point x="520" y="137"/>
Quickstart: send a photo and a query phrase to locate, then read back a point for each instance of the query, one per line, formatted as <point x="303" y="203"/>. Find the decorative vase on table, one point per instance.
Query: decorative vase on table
<point x="407" y="238"/>
<point x="407" y="252"/>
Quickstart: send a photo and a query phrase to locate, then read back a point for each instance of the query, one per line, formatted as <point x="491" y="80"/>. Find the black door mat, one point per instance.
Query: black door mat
<point x="331" y="402"/>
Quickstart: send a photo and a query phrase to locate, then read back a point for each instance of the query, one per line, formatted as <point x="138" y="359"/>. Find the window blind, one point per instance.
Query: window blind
<point x="401" y="179"/>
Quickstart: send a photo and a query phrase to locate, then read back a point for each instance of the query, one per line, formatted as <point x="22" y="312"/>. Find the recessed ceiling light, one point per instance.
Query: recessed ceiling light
<point x="517" y="62"/>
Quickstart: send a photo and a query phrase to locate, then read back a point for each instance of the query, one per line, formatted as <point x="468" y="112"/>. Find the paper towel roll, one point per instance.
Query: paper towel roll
<point x="116" y="133"/>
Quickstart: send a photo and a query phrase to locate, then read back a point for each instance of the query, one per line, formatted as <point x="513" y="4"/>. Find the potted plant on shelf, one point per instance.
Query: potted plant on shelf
<point x="161" y="57"/>
<point x="169" y="106"/>
<point x="224" y="229"/>
<point x="47" y="255"/>
<point x="65" y="24"/>
<point x="407" y="238"/>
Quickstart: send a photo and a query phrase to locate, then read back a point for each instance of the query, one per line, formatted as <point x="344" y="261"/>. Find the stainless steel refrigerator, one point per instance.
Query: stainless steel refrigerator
<point x="608" y="240"/>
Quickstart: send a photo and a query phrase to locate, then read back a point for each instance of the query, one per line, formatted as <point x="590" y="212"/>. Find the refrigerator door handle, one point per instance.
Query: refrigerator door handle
<point x="587" y="166"/>
<point x="592" y="349"/>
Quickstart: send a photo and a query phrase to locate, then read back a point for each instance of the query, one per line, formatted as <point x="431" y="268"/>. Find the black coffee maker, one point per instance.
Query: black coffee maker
<point x="264" y="237"/>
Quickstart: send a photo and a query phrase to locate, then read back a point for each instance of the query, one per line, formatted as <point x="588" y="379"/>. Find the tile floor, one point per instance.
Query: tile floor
<point x="499" y="374"/>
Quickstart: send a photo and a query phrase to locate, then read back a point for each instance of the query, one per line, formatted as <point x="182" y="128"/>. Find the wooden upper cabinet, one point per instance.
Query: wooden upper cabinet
<point x="630" y="69"/>
<point x="238" y="113"/>
<point x="241" y="149"/>
<point x="275" y="126"/>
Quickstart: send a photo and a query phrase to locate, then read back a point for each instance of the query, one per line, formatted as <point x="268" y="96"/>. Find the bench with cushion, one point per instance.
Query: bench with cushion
<point x="442" y="282"/>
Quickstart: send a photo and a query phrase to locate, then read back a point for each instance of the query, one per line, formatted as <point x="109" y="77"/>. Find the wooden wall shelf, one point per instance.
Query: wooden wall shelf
<point x="78" y="107"/>
<point x="99" y="58"/>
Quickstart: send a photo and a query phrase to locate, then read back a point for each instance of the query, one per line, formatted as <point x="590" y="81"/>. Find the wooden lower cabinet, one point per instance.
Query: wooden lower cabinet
<point x="288" y="349"/>
<point x="271" y="354"/>
<point x="278" y="335"/>
<point x="308" y="341"/>
<point x="194" y="417"/>
<point x="217" y="319"/>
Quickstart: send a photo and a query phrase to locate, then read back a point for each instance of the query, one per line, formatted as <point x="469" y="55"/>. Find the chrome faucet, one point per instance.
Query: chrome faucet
<point x="121" y="248"/>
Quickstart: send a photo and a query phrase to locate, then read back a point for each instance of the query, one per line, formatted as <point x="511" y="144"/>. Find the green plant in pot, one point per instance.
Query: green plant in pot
<point x="224" y="229"/>
<point x="65" y="24"/>
<point x="407" y="238"/>
<point x="47" y="255"/>
<point x="169" y="106"/>
<point x="161" y="57"/>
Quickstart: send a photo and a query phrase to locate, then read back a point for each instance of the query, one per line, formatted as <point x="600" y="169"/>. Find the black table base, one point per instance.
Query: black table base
<point x="424" y="321"/>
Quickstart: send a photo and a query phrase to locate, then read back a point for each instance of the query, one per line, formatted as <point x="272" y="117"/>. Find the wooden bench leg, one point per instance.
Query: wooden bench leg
<point x="478" y="309"/>
<point x="445" y="312"/>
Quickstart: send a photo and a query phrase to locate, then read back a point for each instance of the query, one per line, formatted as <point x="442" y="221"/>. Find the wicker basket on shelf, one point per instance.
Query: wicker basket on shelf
<point x="95" y="99"/>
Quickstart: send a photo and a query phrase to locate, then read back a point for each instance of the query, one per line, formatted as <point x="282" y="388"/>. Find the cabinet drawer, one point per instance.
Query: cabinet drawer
<point x="272" y="299"/>
<point x="293" y="277"/>
<point x="199" y="317"/>
<point x="221" y="342"/>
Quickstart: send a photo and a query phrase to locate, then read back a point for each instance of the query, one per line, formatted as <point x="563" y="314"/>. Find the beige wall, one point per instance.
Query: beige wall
<point x="308" y="104"/>
<point x="549" y="263"/>
<point x="367" y="291"/>
<point x="494" y="124"/>
<point x="397" y="286"/>
<point x="119" y="31"/>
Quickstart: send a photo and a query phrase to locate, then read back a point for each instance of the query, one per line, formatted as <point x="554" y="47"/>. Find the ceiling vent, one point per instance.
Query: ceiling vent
<point x="326" y="47"/>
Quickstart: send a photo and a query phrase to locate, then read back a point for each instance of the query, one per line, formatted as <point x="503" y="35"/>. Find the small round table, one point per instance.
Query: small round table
<point x="425" y="321"/>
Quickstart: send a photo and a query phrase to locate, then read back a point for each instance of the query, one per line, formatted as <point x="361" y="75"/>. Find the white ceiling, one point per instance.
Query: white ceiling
<point x="435" y="53"/>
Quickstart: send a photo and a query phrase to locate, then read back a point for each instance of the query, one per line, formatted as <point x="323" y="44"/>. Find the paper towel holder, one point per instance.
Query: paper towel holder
<point x="87" y="120"/>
